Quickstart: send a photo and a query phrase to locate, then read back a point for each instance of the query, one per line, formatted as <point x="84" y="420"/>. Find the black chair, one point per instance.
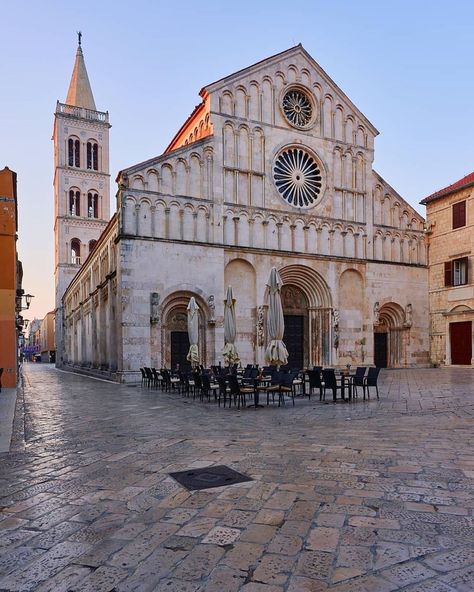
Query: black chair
<point x="371" y="380"/>
<point x="250" y="374"/>
<point x="330" y="382"/>
<point x="208" y="387"/>
<point x="357" y="379"/>
<point x="149" y="377"/>
<point x="197" y="379"/>
<point x="238" y="392"/>
<point x="224" y="390"/>
<point x="287" y="387"/>
<point x="274" y="386"/>
<point x="156" y="377"/>
<point x="315" y="382"/>
<point x="142" y="370"/>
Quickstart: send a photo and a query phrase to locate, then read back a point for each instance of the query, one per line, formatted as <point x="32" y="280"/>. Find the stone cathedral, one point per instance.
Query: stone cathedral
<point x="272" y="168"/>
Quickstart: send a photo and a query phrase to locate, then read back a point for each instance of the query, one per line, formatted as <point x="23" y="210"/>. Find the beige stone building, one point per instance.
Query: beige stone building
<point x="450" y="224"/>
<point x="47" y="339"/>
<point x="273" y="168"/>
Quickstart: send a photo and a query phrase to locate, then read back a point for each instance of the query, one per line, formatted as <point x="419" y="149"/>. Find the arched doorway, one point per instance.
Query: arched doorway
<point x="179" y="338"/>
<point x="317" y="305"/>
<point x="390" y="336"/>
<point x="295" y="311"/>
<point x="174" y="330"/>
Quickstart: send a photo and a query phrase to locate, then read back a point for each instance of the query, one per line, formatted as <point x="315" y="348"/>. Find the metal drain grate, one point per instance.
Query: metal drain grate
<point x="208" y="477"/>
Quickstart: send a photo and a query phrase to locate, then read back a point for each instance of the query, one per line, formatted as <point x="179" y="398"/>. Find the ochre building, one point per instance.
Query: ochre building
<point x="273" y="168"/>
<point x="450" y="224"/>
<point x="10" y="279"/>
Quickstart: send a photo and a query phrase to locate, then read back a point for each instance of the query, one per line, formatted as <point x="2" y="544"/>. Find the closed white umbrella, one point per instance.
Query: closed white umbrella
<point x="230" y="352"/>
<point x="276" y="352"/>
<point x="193" y="332"/>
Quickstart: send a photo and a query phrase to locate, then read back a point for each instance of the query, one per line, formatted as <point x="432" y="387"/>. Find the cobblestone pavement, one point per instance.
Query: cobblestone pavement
<point x="362" y="497"/>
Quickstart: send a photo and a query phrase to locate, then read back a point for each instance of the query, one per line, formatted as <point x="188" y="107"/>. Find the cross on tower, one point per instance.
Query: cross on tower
<point x="79" y="37"/>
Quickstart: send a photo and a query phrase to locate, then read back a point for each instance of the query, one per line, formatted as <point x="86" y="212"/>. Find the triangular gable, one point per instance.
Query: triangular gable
<point x="297" y="49"/>
<point x="397" y="195"/>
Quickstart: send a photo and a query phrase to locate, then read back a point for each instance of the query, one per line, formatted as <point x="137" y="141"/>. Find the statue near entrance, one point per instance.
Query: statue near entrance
<point x="212" y="308"/>
<point x="335" y="328"/>
<point x="154" y="308"/>
<point x="408" y="315"/>
<point x="376" y="313"/>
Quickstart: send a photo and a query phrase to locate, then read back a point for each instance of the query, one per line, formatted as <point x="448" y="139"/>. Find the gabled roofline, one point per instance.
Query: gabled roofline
<point x="196" y="110"/>
<point x="463" y="183"/>
<point x="213" y="86"/>
<point x="163" y="156"/>
<point x="395" y="192"/>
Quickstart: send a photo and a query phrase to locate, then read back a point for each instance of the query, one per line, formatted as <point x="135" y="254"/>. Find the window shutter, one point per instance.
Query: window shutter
<point x="462" y="213"/>
<point x="459" y="214"/>
<point x="448" y="274"/>
<point x="465" y="263"/>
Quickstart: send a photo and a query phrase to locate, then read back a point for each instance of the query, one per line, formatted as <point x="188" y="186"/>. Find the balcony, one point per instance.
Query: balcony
<point x="82" y="113"/>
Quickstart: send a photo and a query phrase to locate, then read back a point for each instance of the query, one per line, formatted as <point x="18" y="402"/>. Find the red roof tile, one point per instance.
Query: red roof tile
<point x="464" y="182"/>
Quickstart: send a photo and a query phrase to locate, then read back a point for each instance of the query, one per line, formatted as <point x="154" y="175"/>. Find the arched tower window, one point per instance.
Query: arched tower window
<point x="92" y="245"/>
<point x="92" y="205"/>
<point x="74" y="152"/>
<point x="74" y="202"/>
<point x="76" y="251"/>
<point x="92" y="155"/>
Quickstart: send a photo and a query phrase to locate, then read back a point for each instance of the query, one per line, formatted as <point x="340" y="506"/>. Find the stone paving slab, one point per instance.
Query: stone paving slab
<point x="371" y="496"/>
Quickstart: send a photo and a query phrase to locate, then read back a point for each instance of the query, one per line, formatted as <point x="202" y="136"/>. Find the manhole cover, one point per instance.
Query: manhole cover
<point x="208" y="477"/>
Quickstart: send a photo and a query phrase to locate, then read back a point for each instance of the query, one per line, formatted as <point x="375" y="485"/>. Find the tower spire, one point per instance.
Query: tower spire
<point x="80" y="92"/>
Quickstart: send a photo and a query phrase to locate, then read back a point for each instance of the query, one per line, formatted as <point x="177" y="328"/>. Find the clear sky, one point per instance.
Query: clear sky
<point x="407" y="65"/>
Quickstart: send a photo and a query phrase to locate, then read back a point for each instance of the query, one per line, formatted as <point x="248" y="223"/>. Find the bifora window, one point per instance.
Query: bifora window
<point x="297" y="107"/>
<point x="298" y="177"/>
<point x="74" y="153"/>
<point x="92" y="156"/>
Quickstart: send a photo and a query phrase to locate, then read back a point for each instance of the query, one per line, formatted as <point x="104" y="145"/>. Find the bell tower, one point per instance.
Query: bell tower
<point x="81" y="182"/>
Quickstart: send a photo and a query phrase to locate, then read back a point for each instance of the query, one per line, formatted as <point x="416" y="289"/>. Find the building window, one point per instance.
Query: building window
<point x="92" y="244"/>
<point x="459" y="214"/>
<point x="76" y="251"/>
<point x="74" y="153"/>
<point x="74" y="203"/>
<point x="456" y="272"/>
<point x="92" y="156"/>
<point x="92" y="205"/>
<point x="298" y="177"/>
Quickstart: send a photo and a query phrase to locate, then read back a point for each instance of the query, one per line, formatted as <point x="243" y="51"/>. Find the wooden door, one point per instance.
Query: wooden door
<point x="460" y="335"/>
<point x="179" y="349"/>
<point x="380" y="349"/>
<point x="294" y="340"/>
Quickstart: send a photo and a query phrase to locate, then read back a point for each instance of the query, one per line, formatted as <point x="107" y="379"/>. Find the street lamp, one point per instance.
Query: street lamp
<point x="27" y="297"/>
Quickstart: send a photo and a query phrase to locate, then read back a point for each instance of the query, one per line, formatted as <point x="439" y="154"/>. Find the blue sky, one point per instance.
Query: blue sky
<point x="408" y="66"/>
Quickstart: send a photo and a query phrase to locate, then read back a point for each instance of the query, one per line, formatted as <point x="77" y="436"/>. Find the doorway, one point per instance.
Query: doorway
<point x="380" y="350"/>
<point x="179" y="349"/>
<point x="460" y="336"/>
<point x="293" y="338"/>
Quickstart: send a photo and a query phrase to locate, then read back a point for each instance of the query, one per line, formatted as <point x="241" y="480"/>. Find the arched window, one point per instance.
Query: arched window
<point x="74" y="152"/>
<point x="92" y="245"/>
<point x="92" y="155"/>
<point x="92" y="205"/>
<point x="74" y="202"/>
<point x="76" y="251"/>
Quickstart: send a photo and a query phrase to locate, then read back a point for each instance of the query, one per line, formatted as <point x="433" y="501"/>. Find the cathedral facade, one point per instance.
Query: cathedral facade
<point x="272" y="168"/>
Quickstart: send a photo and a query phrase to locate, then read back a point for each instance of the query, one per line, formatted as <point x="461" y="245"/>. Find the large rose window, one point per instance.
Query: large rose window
<point x="298" y="177"/>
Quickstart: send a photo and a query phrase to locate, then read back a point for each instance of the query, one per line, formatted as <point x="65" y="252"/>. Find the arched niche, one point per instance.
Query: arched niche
<point x="241" y="275"/>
